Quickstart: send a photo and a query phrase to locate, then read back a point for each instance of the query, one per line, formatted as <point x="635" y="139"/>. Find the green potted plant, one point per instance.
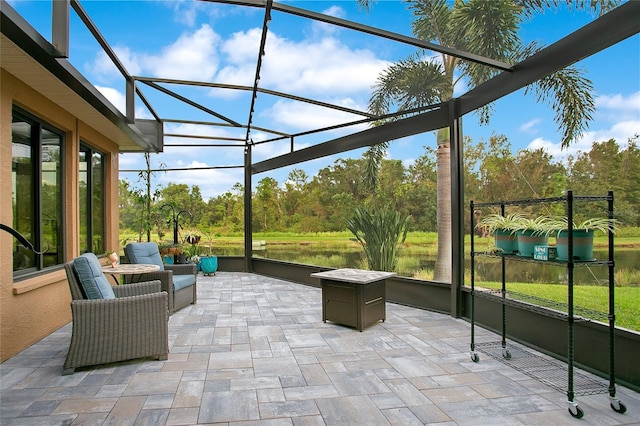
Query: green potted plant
<point x="209" y="263"/>
<point x="193" y="250"/>
<point x="503" y="229"/>
<point x="583" y="233"/>
<point x="531" y="233"/>
<point x="169" y="251"/>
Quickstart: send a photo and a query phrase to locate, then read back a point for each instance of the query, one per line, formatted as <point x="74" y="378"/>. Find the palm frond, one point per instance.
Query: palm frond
<point x="571" y="96"/>
<point x="599" y="7"/>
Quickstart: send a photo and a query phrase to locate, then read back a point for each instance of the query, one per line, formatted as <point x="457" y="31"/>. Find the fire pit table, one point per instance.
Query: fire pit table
<point x="353" y="297"/>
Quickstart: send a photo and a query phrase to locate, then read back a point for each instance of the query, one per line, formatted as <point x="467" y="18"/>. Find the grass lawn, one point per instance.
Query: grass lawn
<point x="627" y="299"/>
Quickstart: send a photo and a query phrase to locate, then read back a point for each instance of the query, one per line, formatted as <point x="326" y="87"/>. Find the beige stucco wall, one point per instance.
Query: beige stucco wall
<point x="31" y="309"/>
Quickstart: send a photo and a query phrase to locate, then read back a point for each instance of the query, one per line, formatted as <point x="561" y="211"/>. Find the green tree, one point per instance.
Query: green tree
<point x="266" y="207"/>
<point x="490" y="29"/>
<point x="420" y="192"/>
<point x="608" y="168"/>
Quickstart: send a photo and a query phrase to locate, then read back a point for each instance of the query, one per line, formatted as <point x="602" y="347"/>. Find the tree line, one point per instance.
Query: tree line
<point x="326" y="202"/>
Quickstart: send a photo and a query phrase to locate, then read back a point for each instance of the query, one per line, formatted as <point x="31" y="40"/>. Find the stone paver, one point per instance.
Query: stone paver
<point x="254" y="351"/>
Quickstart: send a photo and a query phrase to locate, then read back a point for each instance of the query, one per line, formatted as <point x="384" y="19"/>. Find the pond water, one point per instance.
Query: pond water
<point x="487" y="269"/>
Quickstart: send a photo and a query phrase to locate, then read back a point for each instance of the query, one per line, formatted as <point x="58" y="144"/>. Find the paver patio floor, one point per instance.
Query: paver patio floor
<point x="254" y="350"/>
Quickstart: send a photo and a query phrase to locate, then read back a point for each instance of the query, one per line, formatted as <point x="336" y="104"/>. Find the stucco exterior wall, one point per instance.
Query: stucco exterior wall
<point x="32" y="308"/>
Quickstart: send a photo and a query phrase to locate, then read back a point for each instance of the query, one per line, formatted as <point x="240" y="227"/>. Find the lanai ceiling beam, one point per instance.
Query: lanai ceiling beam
<point x="192" y="103"/>
<point x="260" y="90"/>
<point x="605" y="31"/>
<point x="373" y="31"/>
<point x="256" y="80"/>
<point x="210" y="123"/>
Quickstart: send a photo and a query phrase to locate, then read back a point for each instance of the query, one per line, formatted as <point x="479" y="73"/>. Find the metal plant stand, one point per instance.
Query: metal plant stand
<point x="556" y="374"/>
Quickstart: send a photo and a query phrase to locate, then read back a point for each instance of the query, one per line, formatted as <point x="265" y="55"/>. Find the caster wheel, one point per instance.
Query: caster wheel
<point x="475" y="357"/>
<point x="618" y="407"/>
<point x="506" y="354"/>
<point x="576" y="412"/>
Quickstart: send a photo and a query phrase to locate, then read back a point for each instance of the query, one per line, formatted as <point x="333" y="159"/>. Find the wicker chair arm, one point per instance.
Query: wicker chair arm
<point x="182" y="269"/>
<point x="166" y="282"/>
<point x="124" y="310"/>
<point x="136" y="289"/>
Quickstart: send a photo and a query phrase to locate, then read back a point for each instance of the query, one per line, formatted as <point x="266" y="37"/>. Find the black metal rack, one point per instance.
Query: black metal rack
<point x="554" y="373"/>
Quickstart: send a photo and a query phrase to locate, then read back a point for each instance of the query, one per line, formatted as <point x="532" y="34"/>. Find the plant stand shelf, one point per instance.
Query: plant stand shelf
<point x="558" y="375"/>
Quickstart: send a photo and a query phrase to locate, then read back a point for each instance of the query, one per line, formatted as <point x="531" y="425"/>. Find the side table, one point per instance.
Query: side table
<point x="128" y="269"/>
<point x="353" y="297"/>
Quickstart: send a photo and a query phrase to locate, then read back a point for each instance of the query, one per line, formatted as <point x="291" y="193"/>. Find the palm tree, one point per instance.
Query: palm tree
<point x="488" y="28"/>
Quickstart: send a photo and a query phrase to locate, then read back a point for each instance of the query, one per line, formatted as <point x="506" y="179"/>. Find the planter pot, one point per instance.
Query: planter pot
<point x="167" y="259"/>
<point x="506" y="241"/>
<point x="582" y="244"/>
<point x="209" y="264"/>
<point x="181" y="258"/>
<point x="527" y="240"/>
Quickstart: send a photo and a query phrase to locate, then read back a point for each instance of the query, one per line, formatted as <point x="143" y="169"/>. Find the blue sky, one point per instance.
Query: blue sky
<point x="212" y="42"/>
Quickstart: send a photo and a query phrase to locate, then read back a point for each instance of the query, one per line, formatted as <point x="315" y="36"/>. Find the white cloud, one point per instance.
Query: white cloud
<point x="623" y="114"/>
<point x="192" y="57"/>
<point x="530" y="126"/>
<point x="320" y="29"/>
<point x="323" y="67"/>
<point x="619" y="107"/>
<point x="116" y="98"/>
<point x="621" y="132"/>
<point x="303" y="116"/>
<point x="303" y="67"/>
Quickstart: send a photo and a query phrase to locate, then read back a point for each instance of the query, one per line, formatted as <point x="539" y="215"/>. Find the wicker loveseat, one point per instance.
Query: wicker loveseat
<point x="112" y="324"/>
<point x="179" y="281"/>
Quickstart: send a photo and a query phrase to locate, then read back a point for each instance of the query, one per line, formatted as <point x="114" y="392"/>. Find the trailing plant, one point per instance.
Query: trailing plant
<point x="537" y="226"/>
<point x="380" y="232"/>
<point x="494" y="221"/>
<point x="601" y="224"/>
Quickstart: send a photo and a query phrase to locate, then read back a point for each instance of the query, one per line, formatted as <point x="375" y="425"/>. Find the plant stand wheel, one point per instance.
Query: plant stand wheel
<point x="575" y="410"/>
<point x="506" y="354"/>
<point x="475" y="357"/>
<point x="617" y="406"/>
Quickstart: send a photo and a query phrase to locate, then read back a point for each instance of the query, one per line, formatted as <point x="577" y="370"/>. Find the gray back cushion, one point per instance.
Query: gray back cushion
<point x="145" y="253"/>
<point x="93" y="281"/>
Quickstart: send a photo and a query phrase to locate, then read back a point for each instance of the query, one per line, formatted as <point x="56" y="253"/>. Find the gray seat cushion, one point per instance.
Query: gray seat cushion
<point x="182" y="281"/>
<point x="93" y="281"/>
<point x="145" y="253"/>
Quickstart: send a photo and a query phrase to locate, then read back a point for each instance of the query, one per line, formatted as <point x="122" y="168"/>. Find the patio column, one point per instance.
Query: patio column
<point x="457" y="207"/>
<point x="248" y="229"/>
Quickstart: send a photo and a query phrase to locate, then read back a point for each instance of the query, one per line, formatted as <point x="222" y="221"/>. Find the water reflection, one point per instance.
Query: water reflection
<point x="487" y="269"/>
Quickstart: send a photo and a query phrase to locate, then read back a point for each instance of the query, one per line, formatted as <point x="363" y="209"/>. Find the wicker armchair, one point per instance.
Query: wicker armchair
<point x="179" y="281"/>
<point x="132" y="325"/>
